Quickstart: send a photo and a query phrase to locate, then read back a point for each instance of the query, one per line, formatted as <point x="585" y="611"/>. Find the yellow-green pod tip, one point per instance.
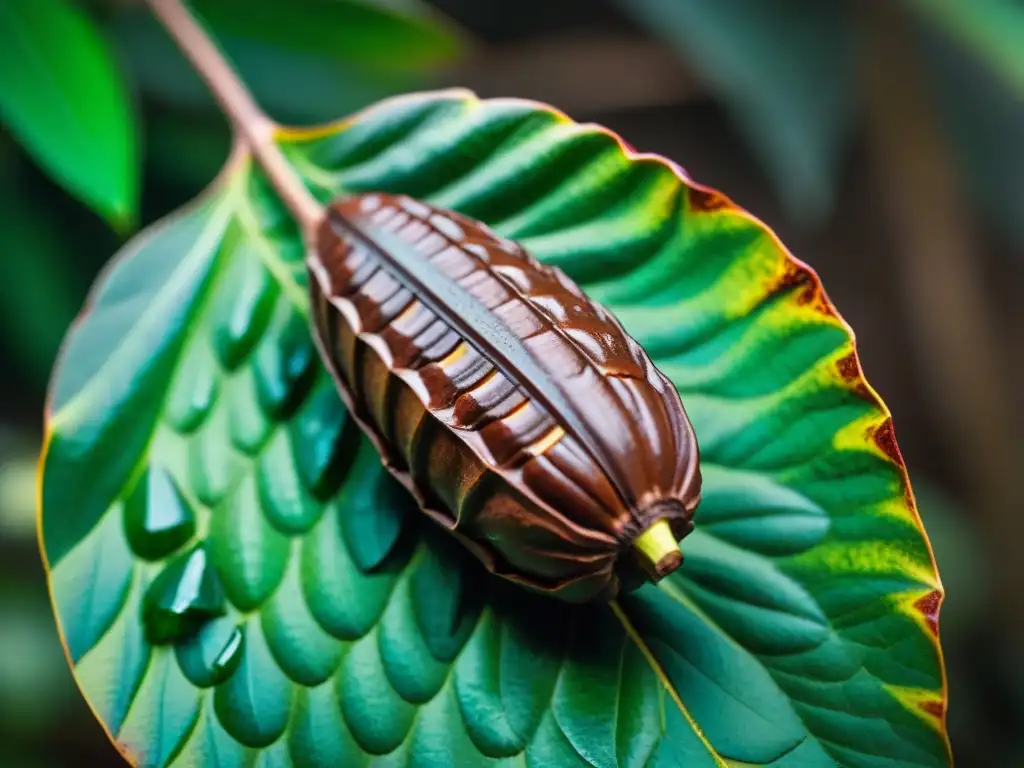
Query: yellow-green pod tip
<point x="658" y="550"/>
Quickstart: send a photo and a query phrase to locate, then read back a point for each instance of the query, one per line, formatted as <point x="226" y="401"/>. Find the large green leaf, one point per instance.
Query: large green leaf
<point x="801" y="630"/>
<point x="64" y="99"/>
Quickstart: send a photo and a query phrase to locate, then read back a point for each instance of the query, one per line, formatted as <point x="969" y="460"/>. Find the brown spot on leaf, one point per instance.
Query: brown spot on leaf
<point x="806" y="286"/>
<point x="800" y="281"/>
<point x="932" y="707"/>
<point x="794" y="276"/>
<point x="821" y="305"/>
<point x="704" y="200"/>
<point x="848" y="367"/>
<point x="885" y="438"/>
<point x="929" y="609"/>
<point x="849" y="371"/>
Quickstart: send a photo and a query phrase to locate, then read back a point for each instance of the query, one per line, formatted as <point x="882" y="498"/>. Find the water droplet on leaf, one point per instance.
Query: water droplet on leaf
<point x="158" y="519"/>
<point x="283" y="360"/>
<point x="183" y="597"/>
<point x="211" y="655"/>
<point x="372" y="515"/>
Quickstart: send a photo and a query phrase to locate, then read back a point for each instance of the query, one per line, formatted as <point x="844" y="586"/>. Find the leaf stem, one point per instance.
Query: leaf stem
<point x="249" y="122"/>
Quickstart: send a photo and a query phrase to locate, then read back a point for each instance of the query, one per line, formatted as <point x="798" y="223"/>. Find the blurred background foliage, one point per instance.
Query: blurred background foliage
<point x="882" y="139"/>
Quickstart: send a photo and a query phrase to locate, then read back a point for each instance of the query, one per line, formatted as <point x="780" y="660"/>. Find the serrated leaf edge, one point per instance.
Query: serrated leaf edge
<point x="633" y="635"/>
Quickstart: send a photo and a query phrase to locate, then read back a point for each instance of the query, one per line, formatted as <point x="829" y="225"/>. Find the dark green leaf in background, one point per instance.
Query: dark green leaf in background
<point x="784" y="70"/>
<point x="983" y="117"/>
<point x="33" y="686"/>
<point x="992" y="30"/>
<point x="39" y="295"/>
<point x="293" y="86"/>
<point x="361" y="31"/>
<point x="64" y="99"/>
<point x="800" y="631"/>
<point x="186" y="149"/>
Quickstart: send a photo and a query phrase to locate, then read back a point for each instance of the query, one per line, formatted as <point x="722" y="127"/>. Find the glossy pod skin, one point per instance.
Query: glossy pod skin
<point x="519" y="413"/>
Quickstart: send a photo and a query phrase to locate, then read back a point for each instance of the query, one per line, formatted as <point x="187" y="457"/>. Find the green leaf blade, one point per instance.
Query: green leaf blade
<point x="806" y="601"/>
<point x="362" y="31"/>
<point x="990" y="29"/>
<point x="65" y="100"/>
<point x="134" y="326"/>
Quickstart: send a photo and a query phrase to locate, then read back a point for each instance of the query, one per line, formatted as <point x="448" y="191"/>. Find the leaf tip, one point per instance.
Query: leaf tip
<point x="122" y="216"/>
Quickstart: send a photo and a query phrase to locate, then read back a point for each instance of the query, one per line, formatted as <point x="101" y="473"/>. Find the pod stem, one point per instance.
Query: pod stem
<point x="250" y="123"/>
<point x="658" y="550"/>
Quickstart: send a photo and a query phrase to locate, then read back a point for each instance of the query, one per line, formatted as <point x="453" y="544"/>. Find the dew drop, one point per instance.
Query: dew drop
<point x="243" y="306"/>
<point x="184" y="596"/>
<point x="211" y="655"/>
<point x="373" y="513"/>
<point x="284" y="362"/>
<point x="191" y="399"/>
<point x="157" y="518"/>
<point x="321" y="452"/>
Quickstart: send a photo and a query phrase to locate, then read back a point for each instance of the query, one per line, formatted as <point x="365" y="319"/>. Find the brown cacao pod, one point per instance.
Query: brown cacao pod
<point x="519" y="413"/>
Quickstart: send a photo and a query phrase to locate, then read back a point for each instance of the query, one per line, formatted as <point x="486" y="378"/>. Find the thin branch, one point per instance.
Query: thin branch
<point x="248" y="120"/>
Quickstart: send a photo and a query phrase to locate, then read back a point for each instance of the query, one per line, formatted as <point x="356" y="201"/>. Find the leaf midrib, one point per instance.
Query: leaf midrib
<point x="636" y="637"/>
<point x="277" y="267"/>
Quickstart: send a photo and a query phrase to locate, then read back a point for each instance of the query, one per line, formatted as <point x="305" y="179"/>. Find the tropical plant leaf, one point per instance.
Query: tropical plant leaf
<point x="801" y="630"/>
<point x="64" y="99"/>
<point x="294" y="86"/>
<point x="984" y="120"/>
<point x="363" y="31"/>
<point x="39" y="295"/>
<point x="990" y="29"/>
<point x="784" y="71"/>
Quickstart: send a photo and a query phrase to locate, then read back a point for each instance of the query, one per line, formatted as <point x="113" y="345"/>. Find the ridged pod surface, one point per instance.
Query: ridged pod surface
<point x="520" y="413"/>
